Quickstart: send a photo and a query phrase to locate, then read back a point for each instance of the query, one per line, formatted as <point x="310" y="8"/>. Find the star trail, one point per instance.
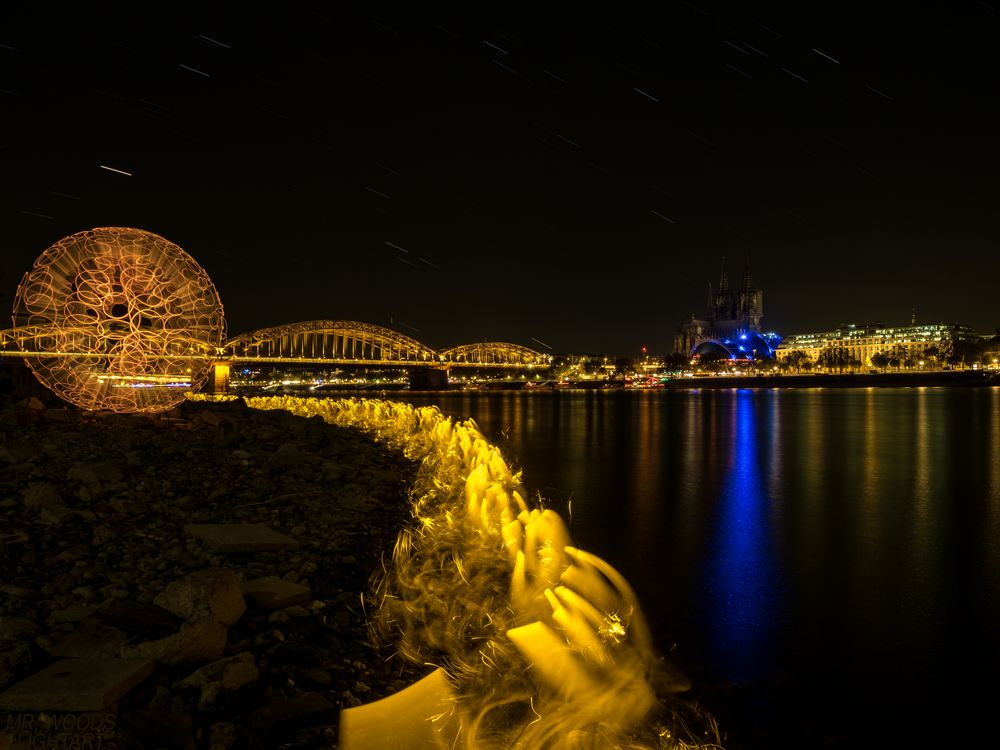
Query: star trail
<point x="577" y="179"/>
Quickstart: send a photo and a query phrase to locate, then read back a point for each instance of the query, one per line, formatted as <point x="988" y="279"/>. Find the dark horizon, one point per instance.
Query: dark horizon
<point x="515" y="179"/>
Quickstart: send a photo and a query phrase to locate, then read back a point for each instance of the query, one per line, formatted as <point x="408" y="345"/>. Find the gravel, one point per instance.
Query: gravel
<point x="92" y="514"/>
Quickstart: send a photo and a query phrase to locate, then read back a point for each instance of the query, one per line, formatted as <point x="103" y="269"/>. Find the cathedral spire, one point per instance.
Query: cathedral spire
<point x="723" y="279"/>
<point x="747" y="279"/>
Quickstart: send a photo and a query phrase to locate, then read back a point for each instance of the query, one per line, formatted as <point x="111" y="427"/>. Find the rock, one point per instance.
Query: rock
<point x="21" y="416"/>
<point x="221" y="735"/>
<point x="113" y="593"/>
<point x="333" y="471"/>
<point x="338" y="620"/>
<point x="138" y="618"/>
<point x="286" y="457"/>
<point x="66" y="582"/>
<point x="233" y="672"/>
<point x="161" y="727"/>
<point x="102" y="535"/>
<point x="74" y="553"/>
<point x="86" y="593"/>
<point x="77" y="685"/>
<point x="135" y="458"/>
<point x="54" y="515"/>
<point x="205" y="595"/>
<point x="17" y="629"/>
<point x="240" y="537"/>
<point x="194" y="643"/>
<point x="62" y="415"/>
<point x="220" y="679"/>
<point x="38" y="494"/>
<point x="95" y="473"/>
<point x="17" y="592"/>
<point x="316" y="677"/>
<point x="279" y="618"/>
<point x="73" y="613"/>
<point x="15" y="659"/>
<point x="210" y="418"/>
<point x="287" y="713"/>
<point x="272" y="592"/>
<point x="17" y="452"/>
<point x="358" y="503"/>
<point x="45" y="498"/>
<point x="88" y="640"/>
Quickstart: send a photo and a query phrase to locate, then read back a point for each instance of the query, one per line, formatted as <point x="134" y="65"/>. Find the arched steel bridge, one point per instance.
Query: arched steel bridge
<point x="333" y="342"/>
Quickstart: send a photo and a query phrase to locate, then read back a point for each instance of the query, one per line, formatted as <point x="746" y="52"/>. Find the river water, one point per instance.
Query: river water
<point x="823" y="563"/>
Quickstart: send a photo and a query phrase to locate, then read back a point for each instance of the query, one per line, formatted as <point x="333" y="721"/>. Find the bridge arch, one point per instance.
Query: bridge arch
<point x="493" y="353"/>
<point x="344" y="340"/>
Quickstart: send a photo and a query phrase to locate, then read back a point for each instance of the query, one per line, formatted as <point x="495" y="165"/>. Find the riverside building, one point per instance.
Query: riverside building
<point x="861" y="342"/>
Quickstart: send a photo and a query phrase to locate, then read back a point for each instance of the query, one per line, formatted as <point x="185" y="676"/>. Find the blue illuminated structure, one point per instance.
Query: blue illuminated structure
<point x="748" y="346"/>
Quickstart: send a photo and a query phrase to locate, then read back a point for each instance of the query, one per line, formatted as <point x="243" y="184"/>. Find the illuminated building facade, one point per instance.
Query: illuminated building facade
<point x="861" y="342"/>
<point x="729" y="314"/>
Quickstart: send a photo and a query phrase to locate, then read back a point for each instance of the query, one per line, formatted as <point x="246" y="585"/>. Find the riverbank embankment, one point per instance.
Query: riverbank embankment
<point x="115" y="543"/>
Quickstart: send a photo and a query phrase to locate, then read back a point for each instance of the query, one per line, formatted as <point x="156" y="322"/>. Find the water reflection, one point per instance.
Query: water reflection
<point x="842" y="542"/>
<point x="742" y="583"/>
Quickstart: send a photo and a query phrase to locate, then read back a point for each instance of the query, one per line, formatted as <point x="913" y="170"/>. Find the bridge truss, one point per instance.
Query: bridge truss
<point x="332" y="342"/>
<point x="335" y="341"/>
<point x="351" y="342"/>
<point x="97" y="341"/>
<point x="495" y="353"/>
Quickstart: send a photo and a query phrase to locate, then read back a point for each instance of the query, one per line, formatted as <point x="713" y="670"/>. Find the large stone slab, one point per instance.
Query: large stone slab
<point x="88" y="639"/>
<point x="240" y="537"/>
<point x="77" y="685"/>
<point x="275" y="593"/>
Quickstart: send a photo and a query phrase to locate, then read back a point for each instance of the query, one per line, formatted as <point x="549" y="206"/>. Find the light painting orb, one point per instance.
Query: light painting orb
<point x="119" y="319"/>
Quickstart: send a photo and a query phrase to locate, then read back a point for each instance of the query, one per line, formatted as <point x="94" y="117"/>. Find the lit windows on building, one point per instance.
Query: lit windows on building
<point x="862" y="342"/>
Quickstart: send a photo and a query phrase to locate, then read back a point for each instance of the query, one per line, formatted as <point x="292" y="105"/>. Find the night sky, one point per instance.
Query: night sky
<point x="573" y="180"/>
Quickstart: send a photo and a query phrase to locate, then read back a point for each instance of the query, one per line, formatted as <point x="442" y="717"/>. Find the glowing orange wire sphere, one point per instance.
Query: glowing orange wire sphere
<point x="120" y="319"/>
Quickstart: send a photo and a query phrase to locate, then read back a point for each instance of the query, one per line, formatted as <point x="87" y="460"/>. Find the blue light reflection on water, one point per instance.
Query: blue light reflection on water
<point x="742" y="591"/>
<point x="823" y="563"/>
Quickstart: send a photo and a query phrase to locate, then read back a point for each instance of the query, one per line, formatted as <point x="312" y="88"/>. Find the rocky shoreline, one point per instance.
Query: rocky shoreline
<point x="117" y="541"/>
